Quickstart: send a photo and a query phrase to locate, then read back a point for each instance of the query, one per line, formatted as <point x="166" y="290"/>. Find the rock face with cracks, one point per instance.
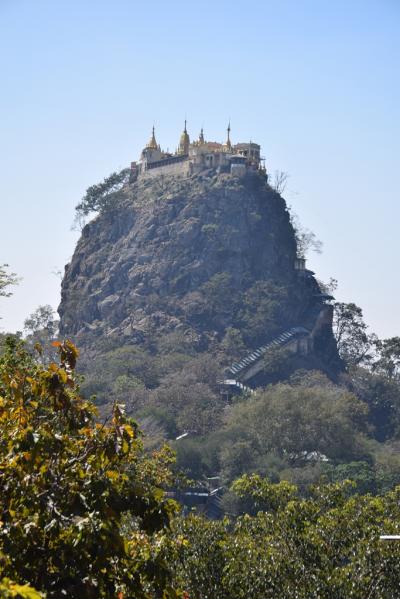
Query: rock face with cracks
<point x="199" y="255"/>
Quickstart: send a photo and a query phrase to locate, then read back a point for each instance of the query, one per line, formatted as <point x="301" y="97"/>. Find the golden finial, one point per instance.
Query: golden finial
<point x="184" y="142"/>
<point x="153" y="143"/>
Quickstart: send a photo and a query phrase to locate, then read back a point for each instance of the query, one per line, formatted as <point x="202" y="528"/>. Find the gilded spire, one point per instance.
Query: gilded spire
<point x="152" y="143"/>
<point x="184" y="142"/>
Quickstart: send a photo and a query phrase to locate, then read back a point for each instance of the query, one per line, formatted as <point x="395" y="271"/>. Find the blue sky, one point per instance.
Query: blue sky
<point x="316" y="83"/>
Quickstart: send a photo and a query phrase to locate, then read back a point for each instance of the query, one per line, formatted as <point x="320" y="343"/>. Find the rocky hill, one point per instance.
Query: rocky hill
<point x="193" y="265"/>
<point x="188" y="303"/>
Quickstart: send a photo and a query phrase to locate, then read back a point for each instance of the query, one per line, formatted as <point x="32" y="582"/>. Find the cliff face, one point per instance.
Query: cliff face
<point x="200" y="256"/>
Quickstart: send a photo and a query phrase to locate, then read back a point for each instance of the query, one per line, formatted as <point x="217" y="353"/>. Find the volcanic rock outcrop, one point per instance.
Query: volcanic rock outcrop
<point x="201" y="255"/>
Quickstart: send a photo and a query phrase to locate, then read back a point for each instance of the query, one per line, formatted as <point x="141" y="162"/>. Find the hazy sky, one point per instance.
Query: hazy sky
<point x="315" y="82"/>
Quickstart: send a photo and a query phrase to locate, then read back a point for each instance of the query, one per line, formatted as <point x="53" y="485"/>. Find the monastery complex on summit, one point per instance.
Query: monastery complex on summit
<point x="196" y="156"/>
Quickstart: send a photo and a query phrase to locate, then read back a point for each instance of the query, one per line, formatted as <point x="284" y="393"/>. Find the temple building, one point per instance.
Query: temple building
<point x="196" y="156"/>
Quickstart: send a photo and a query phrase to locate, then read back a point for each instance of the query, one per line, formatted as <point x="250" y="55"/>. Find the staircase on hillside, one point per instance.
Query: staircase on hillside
<point x="251" y="364"/>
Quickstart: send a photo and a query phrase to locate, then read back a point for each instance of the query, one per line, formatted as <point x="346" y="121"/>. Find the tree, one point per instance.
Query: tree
<point x="265" y="496"/>
<point x="362" y="474"/>
<point x="330" y="287"/>
<point x="192" y="404"/>
<point x="82" y="513"/>
<point x="388" y="362"/>
<point x="306" y="240"/>
<point x="6" y="280"/>
<point x="100" y="197"/>
<point x="354" y="343"/>
<point x="295" y="423"/>
<point x="280" y="181"/>
<point x="266" y="307"/>
<point x="199" y="568"/>
<point x="41" y="321"/>
<point x="277" y="363"/>
<point x="41" y="328"/>
<point x="219" y="294"/>
<point x="326" y="545"/>
<point x="232" y="343"/>
<point x="382" y="396"/>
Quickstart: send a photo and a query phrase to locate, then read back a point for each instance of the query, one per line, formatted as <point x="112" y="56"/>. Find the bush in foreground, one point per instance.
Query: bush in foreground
<point x="82" y="513"/>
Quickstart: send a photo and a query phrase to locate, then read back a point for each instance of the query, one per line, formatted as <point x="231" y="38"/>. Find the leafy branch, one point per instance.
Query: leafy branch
<point x="99" y="197"/>
<point x="6" y="280"/>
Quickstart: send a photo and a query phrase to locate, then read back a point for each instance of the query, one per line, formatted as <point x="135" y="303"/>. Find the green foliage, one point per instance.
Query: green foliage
<point x="4" y="339"/>
<point x="237" y="454"/>
<point x="265" y="307"/>
<point x="266" y="496"/>
<point x="294" y="422"/>
<point x="42" y="320"/>
<point x="354" y="344"/>
<point x="387" y="466"/>
<point x="129" y="361"/>
<point x="301" y="431"/>
<point x="99" y="198"/>
<point x="324" y="546"/>
<point x="388" y="362"/>
<point x="362" y="474"/>
<point x="200" y="567"/>
<point x="124" y="384"/>
<point x="277" y="363"/>
<point x="190" y="458"/>
<point x="6" y="280"/>
<point x="357" y="347"/>
<point x="41" y="328"/>
<point x="219" y="293"/>
<point x="193" y="404"/>
<point x="233" y="344"/>
<point x="9" y="589"/>
<point x="69" y="484"/>
<point x="382" y="396"/>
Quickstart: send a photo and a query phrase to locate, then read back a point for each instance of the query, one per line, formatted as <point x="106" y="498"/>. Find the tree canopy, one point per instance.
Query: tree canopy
<point x="326" y="545"/>
<point x="99" y="197"/>
<point x="82" y="513"/>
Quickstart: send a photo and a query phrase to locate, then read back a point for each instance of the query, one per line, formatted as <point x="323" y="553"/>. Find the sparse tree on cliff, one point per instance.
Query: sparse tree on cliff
<point x="280" y="181"/>
<point x="100" y="197"/>
<point x="306" y="240"/>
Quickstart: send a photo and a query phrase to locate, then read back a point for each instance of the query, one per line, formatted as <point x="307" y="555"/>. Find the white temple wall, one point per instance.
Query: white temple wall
<point x="178" y="168"/>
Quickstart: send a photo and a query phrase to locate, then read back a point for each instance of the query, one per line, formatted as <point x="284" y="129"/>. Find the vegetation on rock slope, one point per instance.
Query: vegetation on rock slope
<point x="197" y="256"/>
<point x="174" y="270"/>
